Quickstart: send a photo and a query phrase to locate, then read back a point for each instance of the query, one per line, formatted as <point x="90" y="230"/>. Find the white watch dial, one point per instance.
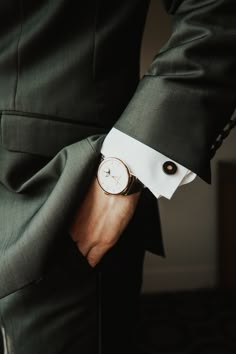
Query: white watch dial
<point x="113" y="176"/>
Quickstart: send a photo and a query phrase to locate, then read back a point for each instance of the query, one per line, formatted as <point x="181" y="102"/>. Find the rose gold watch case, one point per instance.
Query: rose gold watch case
<point x="129" y="180"/>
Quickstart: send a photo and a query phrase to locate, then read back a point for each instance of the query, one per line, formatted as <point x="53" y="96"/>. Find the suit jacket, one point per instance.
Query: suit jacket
<point x="69" y="71"/>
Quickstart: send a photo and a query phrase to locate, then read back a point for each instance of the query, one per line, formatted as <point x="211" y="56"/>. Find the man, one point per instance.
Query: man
<point x="71" y="255"/>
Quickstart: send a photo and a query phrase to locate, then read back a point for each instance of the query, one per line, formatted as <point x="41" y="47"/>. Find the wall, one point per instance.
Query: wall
<point x="189" y="220"/>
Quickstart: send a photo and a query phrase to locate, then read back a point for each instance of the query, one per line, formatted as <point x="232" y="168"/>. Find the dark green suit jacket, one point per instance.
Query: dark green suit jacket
<point x="69" y="71"/>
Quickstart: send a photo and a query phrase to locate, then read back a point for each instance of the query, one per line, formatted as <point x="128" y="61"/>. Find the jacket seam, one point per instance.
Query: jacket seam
<point x="95" y="24"/>
<point x="18" y="52"/>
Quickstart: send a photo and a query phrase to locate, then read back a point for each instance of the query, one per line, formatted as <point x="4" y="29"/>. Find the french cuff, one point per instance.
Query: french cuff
<point x="161" y="175"/>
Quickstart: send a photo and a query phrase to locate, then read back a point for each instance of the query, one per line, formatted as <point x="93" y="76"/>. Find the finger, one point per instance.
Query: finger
<point x="96" y="253"/>
<point x="85" y="247"/>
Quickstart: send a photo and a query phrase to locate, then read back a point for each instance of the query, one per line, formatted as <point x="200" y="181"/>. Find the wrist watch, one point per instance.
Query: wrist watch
<point x="114" y="177"/>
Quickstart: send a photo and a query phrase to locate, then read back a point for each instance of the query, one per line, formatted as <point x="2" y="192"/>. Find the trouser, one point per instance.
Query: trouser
<point x="77" y="309"/>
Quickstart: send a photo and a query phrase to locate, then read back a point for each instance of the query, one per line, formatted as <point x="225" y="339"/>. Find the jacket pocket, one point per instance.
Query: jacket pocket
<point x="39" y="135"/>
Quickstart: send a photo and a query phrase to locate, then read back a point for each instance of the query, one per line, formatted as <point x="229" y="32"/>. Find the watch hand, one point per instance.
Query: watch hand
<point x="116" y="179"/>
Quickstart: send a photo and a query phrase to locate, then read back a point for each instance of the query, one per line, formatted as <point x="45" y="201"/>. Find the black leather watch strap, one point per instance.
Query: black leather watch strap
<point x="135" y="186"/>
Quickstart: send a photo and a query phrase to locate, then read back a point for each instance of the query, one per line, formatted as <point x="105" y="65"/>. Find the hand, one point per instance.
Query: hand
<point x="100" y="221"/>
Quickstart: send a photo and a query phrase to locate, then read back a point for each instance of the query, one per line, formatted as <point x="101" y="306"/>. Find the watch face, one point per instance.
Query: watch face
<point x="113" y="176"/>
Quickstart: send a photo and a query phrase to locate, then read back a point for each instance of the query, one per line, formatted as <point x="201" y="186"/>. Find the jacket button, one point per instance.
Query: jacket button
<point x="169" y="168"/>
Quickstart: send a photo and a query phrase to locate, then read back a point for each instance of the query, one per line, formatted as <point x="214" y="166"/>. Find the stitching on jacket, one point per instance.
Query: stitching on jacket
<point x="17" y="52"/>
<point x="95" y="54"/>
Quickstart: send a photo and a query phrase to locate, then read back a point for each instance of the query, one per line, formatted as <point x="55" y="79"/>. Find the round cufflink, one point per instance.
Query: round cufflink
<point x="169" y="168"/>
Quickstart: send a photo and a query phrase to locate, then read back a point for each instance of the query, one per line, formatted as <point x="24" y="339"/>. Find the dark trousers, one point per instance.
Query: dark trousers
<point x="75" y="308"/>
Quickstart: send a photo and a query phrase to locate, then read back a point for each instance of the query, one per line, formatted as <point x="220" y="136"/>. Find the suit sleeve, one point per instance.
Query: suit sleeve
<point x="188" y="94"/>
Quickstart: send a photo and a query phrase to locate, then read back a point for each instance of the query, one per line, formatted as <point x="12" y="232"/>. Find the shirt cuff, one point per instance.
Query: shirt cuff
<point x="146" y="163"/>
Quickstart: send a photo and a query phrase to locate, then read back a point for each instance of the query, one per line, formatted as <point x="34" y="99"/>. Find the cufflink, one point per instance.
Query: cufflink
<point x="169" y="168"/>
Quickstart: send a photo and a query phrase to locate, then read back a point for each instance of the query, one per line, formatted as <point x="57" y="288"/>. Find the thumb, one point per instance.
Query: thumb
<point x="96" y="253"/>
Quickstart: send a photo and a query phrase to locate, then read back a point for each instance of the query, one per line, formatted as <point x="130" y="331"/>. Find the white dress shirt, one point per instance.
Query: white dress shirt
<point x="146" y="163"/>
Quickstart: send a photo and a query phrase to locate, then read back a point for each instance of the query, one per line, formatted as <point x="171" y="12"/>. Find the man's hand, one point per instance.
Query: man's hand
<point x="100" y="221"/>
